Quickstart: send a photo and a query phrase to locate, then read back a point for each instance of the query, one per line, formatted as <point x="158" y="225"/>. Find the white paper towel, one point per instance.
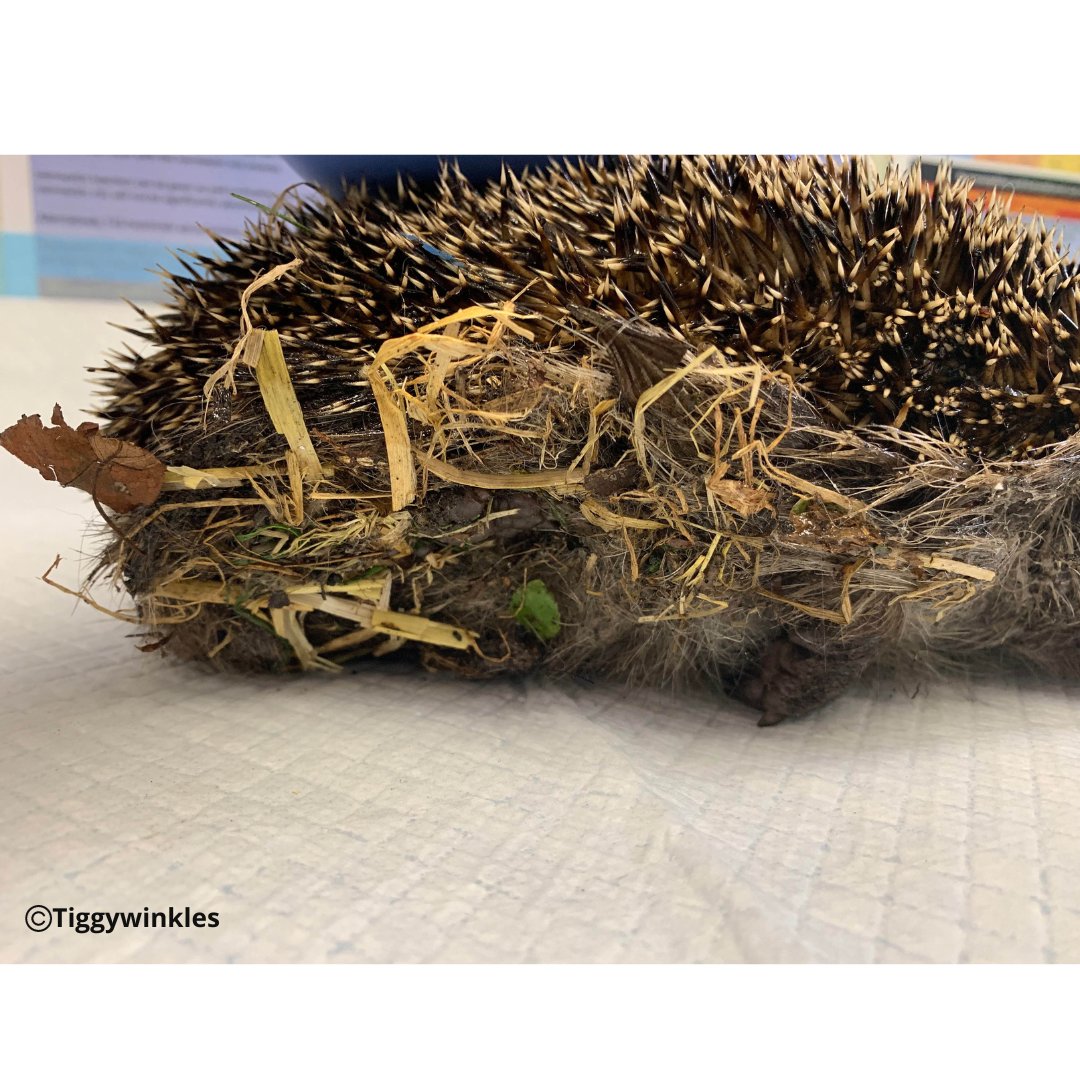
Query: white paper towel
<point x="399" y="816"/>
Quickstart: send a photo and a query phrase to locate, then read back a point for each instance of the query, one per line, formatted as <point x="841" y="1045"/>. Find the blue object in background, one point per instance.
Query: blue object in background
<point x="18" y="264"/>
<point x="383" y="169"/>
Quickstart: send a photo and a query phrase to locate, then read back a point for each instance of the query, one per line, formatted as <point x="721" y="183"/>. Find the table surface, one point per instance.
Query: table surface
<point x="393" y="816"/>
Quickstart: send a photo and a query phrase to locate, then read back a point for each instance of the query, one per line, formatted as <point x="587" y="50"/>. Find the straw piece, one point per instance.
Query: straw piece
<point x="187" y="478"/>
<point x="718" y="606"/>
<point x="399" y="453"/>
<point x="653" y="394"/>
<point x="939" y="562"/>
<point x="548" y="479"/>
<point x="86" y="598"/>
<point x="198" y="591"/>
<point x="597" y="514"/>
<point x="837" y="617"/>
<point x="374" y="589"/>
<point x="286" y="623"/>
<point x="417" y="628"/>
<point x="805" y="487"/>
<point x="278" y="395"/>
<point x="248" y="347"/>
<point x="407" y="343"/>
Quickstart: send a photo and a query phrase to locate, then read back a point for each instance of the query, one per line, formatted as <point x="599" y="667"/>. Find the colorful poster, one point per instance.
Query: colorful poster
<point x="1043" y="185"/>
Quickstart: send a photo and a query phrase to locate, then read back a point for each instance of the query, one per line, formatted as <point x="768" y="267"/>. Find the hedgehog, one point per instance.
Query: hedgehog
<point x="764" y="425"/>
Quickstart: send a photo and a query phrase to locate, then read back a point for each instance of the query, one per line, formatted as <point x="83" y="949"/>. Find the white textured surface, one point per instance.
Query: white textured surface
<point x="387" y="817"/>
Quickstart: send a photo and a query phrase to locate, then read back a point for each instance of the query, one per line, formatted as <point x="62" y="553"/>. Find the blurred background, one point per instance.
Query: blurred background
<point x="99" y="226"/>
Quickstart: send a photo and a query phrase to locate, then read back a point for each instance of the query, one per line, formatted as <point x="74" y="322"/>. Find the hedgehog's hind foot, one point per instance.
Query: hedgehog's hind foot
<point x="792" y="677"/>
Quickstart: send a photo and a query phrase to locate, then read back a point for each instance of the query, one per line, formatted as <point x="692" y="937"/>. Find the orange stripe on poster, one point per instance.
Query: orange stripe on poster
<point x="1022" y="202"/>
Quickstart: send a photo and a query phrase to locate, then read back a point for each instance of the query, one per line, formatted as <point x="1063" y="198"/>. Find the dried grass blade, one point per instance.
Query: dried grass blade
<point x="399" y="453"/>
<point x="954" y="566"/>
<point x="275" y="385"/>
<point x="597" y="514"/>
<point x="549" y="478"/>
<point x="417" y="628"/>
<point x="652" y="395"/>
<point x="248" y="347"/>
<point x="286" y="623"/>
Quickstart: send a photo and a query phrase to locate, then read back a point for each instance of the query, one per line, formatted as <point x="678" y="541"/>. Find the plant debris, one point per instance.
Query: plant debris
<point x="536" y="609"/>
<point x="118" y="474"/>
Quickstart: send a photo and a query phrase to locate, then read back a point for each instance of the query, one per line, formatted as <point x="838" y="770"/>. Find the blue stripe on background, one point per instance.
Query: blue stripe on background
<point x="18" y="264"/>
<point x="83" y="258"/>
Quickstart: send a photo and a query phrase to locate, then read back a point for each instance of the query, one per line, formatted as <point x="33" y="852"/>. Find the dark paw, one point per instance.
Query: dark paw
<point x="777" y="683"/>
<point x="790" y="679"/>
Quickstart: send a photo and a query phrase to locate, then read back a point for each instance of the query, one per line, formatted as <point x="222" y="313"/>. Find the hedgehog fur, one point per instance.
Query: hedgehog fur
<point x="764" y="424"/>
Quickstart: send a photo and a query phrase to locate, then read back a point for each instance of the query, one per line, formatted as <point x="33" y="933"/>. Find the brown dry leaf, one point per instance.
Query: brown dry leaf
<point x="120" y="475"/>
<point x="742" y="498"/>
